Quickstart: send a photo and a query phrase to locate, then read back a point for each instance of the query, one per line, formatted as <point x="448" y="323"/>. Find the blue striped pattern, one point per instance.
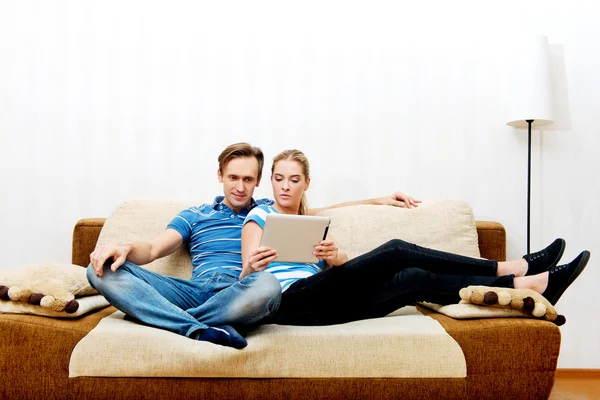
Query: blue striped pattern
<point x="213" y="235"/>
<point x="286" y="273"/>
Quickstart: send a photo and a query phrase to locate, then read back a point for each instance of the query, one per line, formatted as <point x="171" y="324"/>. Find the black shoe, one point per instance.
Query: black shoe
<point x="561" y="277"/>
<point x="545" y="259"/>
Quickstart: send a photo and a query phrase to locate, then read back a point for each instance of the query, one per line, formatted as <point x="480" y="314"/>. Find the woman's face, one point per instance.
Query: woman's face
<point x="289" y="184"/>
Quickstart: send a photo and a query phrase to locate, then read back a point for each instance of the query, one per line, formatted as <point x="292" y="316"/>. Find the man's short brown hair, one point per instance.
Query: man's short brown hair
<point x="237" y="150"/>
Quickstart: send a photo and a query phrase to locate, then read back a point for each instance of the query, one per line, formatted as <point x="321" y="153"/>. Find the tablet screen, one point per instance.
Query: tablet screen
<point x="294" y="236"/>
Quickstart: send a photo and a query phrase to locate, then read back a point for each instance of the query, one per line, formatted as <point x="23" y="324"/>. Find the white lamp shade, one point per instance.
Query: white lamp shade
<point x="530" y="80"/>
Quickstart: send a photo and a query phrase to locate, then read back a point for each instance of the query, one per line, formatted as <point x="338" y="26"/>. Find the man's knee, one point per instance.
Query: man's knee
<point x="91" y="276"/>
<point x="108" y="278"/>
<point x="268" y="285"/>
<point x="266" y="290"/>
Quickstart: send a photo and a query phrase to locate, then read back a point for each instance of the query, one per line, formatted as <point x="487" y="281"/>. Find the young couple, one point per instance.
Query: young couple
<point x="204" y="307"/>
<point x="223" y="291"/>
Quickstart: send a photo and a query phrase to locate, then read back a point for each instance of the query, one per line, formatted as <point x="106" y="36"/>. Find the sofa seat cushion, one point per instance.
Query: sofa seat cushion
<point x="401" y="345"/>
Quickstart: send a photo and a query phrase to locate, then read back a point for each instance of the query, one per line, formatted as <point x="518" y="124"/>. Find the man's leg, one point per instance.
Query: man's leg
<point x="238" y="303"/>
<point x="158" y="301"/>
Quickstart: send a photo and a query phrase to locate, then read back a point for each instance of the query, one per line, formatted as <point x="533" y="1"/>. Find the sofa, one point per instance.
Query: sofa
<point x="513" y="358"/>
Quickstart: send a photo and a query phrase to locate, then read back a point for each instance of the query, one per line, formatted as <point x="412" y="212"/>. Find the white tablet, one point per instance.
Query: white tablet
<point x="294" y="236"/>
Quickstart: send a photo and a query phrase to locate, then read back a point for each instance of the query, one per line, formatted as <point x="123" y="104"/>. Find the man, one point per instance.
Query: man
<point x="204" y="307"/>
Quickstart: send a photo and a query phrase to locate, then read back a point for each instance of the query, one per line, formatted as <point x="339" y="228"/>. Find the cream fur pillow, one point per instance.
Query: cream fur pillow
<point x="44" y="288"/>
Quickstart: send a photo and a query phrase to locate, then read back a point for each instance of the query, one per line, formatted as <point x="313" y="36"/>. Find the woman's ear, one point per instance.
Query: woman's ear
<point x="307" y="184"/>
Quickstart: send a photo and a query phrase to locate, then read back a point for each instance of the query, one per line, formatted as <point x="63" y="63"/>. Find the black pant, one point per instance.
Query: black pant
<point x="379" y="282"/>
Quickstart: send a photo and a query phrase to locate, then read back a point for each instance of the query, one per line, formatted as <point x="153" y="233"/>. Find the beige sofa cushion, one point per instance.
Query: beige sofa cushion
<point x="401" y="345"/>
<point x="446" y="225"/>
<point x="143" y="219"/>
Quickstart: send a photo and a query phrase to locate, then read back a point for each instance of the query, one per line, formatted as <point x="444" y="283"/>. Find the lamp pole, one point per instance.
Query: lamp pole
<point x="529" y="121"/>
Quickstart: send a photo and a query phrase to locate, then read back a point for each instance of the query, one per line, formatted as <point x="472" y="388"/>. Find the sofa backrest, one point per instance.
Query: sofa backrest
<point x="446" y="225"/>
<point x="143" y="219"/>
<point x="442" y="224"/>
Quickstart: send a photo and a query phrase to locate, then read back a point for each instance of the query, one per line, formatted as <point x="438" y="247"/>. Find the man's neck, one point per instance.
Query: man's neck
<point x="234" y="209"/>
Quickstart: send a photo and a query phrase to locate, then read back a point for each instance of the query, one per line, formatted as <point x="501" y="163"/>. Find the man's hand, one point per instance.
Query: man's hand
<point x="260" y="258"/>
<point x="397" y="199"/>
<point x="103" y="253"/>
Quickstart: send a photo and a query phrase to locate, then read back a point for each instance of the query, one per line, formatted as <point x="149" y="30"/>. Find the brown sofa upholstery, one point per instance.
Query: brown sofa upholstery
<point x="506" y="357"/>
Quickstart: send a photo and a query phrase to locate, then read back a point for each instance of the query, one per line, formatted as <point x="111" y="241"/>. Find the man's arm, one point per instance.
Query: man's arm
<point x="139" y="253"/>
<point x="397" y="199"/>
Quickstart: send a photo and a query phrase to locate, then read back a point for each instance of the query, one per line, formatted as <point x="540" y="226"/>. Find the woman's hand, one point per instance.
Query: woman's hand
<point x="327" y="250"/>
<point x="397" y="199"/>
<point x="259" y="258"/>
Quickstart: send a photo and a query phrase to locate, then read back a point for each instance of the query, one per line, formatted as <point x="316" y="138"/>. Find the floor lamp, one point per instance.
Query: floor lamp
<point x="530" y="96"/>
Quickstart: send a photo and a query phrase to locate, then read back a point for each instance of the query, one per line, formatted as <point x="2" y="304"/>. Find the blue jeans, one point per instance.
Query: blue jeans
<point x="394" y="275"/>
<point x="185" y="306"/>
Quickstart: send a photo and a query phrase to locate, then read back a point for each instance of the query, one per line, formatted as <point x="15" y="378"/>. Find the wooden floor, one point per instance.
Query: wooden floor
<point x="576" y="385"/>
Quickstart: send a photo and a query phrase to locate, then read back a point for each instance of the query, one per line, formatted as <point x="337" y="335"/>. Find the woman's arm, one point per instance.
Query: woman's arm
<point x="254" y="257"/>
<point x="397" y="199"/>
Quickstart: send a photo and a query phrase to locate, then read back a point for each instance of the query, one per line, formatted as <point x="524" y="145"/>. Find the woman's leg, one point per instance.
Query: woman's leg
<point x="382" y="263"/>
<point x="414" y="285"/>
<point x="337" y="287"/>
<point x="407" y="287"/>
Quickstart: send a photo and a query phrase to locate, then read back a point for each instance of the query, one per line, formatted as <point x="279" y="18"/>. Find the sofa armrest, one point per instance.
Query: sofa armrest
<point x="492" y="240"/>
<point x="85" y="236"/>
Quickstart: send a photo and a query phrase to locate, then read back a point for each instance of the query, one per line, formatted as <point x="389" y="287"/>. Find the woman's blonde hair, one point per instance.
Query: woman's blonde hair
<point x="299" y="157"/>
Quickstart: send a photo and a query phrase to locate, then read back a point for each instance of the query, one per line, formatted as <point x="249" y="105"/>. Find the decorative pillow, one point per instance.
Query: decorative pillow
<point x="46" y="289"/>
<point x="530" y="301"/>
<point x="495" y="302"/>
<point x="86" y="304"/>
<point x="446" y="225"/>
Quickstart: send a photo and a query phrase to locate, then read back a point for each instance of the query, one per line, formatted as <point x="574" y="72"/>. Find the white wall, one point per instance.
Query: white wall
<point x="103" y="101"/>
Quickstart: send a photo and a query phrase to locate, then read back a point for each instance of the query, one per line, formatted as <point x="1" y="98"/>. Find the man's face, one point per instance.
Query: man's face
<point x="239" y="178"/>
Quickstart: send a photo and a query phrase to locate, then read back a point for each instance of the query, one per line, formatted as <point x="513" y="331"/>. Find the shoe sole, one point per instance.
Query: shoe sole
<point x="580" y="267"/>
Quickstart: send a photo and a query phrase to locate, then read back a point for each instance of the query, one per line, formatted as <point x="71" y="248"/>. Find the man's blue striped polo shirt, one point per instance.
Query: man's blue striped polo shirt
<point x="213" y="235"/>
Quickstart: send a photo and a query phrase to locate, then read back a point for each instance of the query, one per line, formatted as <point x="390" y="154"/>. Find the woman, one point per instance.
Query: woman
<point x="396" y="274"/>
